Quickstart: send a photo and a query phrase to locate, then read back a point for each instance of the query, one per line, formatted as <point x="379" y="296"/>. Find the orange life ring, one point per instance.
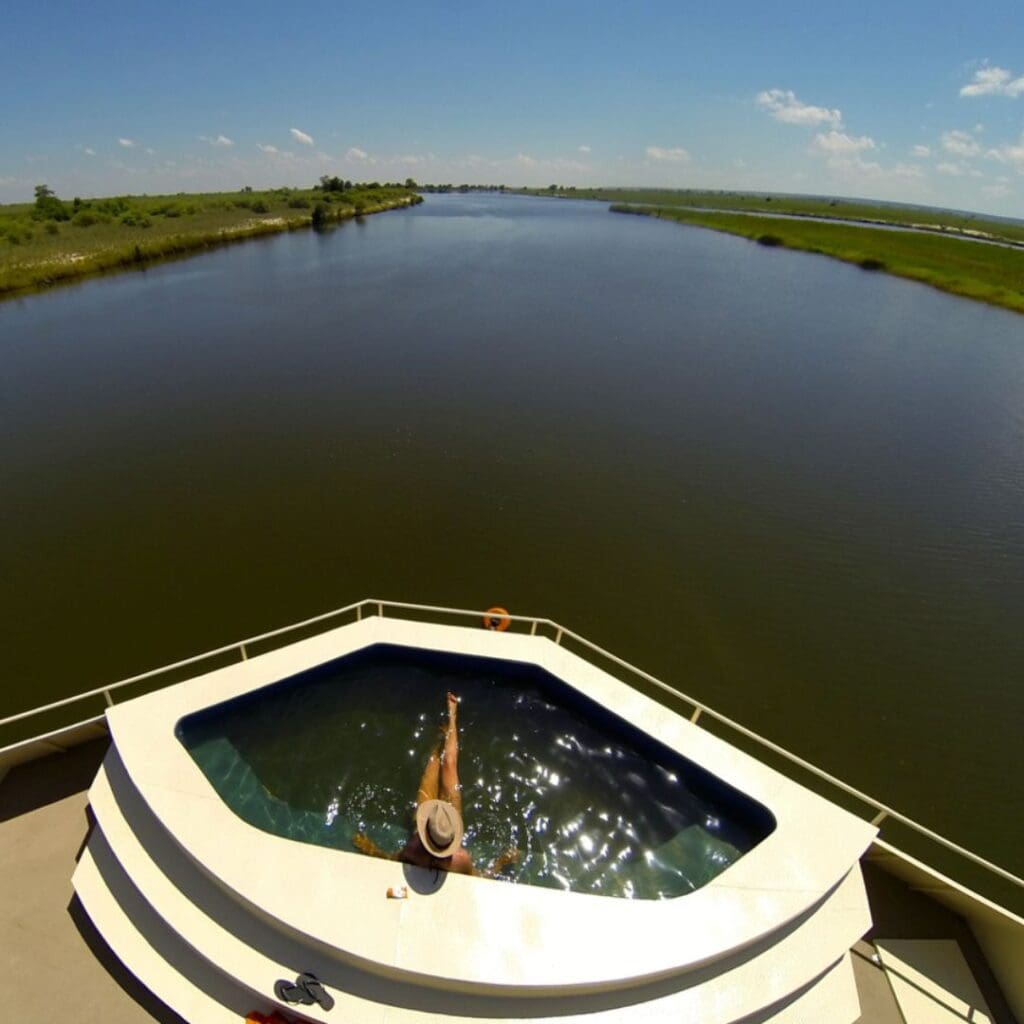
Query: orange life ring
<point x="497" y="619"/>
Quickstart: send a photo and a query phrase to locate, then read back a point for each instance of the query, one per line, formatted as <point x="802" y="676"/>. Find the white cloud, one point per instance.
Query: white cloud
<point x="677" y="155"/>
<point x="835" y="143"/>
<point x="299" y="136"/>
<point x="906" y="172"/>
<point x="220" y="140"/>
<point x="584" y="149"/>
<point x="960" y="169"/>
<point x="150" y="152"/>
<point x="127" y="143"/>
<point x="783" y="105"/>
<point x="869" y="170"/>
<point x="960" y="143"/>
<point x="922" y="151"/>
<point x="1009" y="154"/>
<point x="267" y="149"/>
<point x="844" y="157"/>
<point x="8" y="181"/>
<point x="999" y="191"/>
<point x="88" y="150"/>
<point x="525" y="160"/>
<point x="994" y="82"/>
<point x="357" y="154"/>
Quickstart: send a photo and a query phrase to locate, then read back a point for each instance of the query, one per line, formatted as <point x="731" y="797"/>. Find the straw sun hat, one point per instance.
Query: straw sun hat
<point x="439" y="827"/>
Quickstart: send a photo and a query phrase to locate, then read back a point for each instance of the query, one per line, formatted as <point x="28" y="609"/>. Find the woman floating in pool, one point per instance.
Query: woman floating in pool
<point x="436" y="841"/>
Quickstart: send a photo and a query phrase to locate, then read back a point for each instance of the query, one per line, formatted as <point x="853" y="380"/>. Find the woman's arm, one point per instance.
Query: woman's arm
<point x="510" y="856"/>
<point x="364" y="844"/>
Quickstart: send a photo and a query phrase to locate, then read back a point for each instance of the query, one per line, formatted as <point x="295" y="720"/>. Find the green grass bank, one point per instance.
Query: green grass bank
<point x="945" y="222"/>
<point x="54" y="241"/>
<point x="986" y="273"/>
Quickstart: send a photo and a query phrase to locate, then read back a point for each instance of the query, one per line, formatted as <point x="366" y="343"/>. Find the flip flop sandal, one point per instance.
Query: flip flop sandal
<point x="290" y="992"/>
<point x="315" y="989"/>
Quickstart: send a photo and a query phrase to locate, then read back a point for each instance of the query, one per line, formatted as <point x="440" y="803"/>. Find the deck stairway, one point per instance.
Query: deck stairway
<point x="212" y="957"/>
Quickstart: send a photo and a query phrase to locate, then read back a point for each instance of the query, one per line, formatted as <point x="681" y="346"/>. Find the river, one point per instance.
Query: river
<point x="789" y="487"/>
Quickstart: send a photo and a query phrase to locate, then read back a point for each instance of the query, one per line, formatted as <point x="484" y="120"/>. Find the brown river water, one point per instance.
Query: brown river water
<point x="786" y="486"/>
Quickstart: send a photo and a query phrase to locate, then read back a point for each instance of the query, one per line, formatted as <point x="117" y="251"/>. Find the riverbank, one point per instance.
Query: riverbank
<point x="986" y="273"/>
<point x="84" y="238"/>
<point x="855" y="211"/>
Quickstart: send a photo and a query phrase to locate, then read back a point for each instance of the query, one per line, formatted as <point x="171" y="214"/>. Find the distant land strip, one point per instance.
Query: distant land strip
<point x="947" y="249"/>
<point x="992" y="274"/>
<point x="54" y="241"/>
<point x="860" y="211"/>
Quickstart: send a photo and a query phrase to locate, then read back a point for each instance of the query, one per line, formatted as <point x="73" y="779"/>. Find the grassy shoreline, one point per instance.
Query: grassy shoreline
<point x="856" y="211"/>
<point x="985" y="273"/>
<point x="131" y="232"/>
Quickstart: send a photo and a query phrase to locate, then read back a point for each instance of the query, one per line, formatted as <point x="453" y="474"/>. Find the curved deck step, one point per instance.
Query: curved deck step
<point x="214" y="925"/>
<point x="805" y="965"/>
<point x="832" y="998"/>
<point x="153" y="967"/>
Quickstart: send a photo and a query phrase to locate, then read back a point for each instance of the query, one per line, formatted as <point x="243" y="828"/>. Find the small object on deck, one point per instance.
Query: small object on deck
<point x="292" y="992"/>
<point x="314" y="988"/>
<point x="398" y="892"/>
<point x="497" y="619"/>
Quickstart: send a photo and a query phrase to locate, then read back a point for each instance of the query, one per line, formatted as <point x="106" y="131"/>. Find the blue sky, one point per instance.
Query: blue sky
<point x="901" y="100"/>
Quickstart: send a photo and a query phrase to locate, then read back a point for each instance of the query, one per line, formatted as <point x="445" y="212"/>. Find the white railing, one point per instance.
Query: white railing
<point x="557" y="633"/>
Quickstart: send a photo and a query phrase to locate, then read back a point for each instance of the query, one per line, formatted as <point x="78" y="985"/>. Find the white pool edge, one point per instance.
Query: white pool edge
<point x="492" y="930"/>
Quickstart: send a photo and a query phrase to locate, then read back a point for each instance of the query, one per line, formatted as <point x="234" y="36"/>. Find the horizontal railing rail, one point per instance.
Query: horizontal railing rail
<point x="558" y="634"/>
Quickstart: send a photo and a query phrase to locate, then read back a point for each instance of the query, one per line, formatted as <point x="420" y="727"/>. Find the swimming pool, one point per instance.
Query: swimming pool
<point x="592" y="803"/>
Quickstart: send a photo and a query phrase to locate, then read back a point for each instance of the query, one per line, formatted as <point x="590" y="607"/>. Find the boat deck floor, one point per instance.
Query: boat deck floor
<point x="58" y="967"/>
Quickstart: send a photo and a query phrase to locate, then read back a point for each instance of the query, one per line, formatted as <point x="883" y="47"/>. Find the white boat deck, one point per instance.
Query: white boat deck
<point x="185" y="912"/>
<point x="44" y="932"/>
<point x="254" y="952"/>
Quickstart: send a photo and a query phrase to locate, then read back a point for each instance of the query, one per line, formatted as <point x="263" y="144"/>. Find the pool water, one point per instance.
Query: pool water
<point x="591" y="803"/>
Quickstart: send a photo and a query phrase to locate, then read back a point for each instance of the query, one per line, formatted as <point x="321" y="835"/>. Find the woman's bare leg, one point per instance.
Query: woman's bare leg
<point x="430" y="782"/>
<point x="450" y="788"/>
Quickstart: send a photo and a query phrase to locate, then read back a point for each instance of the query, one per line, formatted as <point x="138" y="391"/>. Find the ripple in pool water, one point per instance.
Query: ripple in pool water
<point x="591" y="803"/>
